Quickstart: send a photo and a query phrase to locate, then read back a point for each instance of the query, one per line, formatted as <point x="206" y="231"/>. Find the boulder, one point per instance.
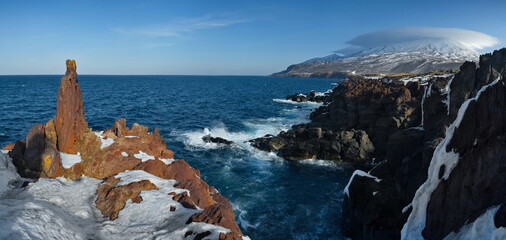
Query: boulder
<point x="37" y="156"/>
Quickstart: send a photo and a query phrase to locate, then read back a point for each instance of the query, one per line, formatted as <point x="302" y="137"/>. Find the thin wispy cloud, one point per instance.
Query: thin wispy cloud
<point x="179" y="28"/>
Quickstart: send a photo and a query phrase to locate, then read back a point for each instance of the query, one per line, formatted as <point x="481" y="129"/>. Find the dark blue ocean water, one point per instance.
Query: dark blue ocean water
<point x="272" y="198"/>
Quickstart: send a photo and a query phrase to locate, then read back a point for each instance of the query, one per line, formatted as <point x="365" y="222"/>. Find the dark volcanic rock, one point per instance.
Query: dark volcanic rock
<point x="476" y="182"/>
<point x="377" y="107"/>
<point x="480" y="141"/>
<point x="355" y="125"/>
<point x="313" y="96"/>
<point x="301" y="143"/>
<point x="209" y="139"/>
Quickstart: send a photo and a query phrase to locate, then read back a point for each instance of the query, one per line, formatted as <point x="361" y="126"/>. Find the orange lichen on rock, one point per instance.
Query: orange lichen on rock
<point x="8" y="147"/>
<point x="70" y="122"/>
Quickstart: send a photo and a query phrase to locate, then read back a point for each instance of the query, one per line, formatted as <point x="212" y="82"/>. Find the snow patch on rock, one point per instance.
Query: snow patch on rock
<point x="7" y="173"/>
<point x="64" y="209"/>
<point x="68" y="160"/>
<point x="482" y="228"/>
<point x="415" y="224"/>
<point x="143" y="156"/>
<point x="358" y="173"/>
<point x="106" y="142"/>
<point x="167" y="161"/>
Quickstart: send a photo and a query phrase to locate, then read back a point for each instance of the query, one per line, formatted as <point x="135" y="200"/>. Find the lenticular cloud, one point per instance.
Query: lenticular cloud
<point x="470" y="39"/>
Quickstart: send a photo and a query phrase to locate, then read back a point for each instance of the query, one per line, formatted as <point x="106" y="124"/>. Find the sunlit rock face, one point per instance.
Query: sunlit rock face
<point x="136" y="168"/>
<point x="69" y="120"/>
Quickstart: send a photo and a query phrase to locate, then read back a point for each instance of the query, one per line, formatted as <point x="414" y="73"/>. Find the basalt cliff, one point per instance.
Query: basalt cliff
<point x="444" y="179"/>
<point x="435" y="148"/>
<point x="126" y="178"/>
<point x="354" y="124"/>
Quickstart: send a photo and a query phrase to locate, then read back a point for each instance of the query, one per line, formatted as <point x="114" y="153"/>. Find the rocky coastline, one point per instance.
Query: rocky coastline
<point x="438" y="180"/>
<point x="354" y="124"/>
<point x="129" y="161"/>
<point x="438" y="144"/>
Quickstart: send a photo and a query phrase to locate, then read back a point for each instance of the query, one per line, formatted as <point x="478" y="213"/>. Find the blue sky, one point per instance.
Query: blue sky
<point x="210" y="37"/>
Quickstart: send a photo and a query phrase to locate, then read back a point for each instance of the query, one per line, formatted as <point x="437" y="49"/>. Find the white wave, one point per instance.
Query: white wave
<point x="320" y="162"/>
<point x="294" y="102"/>
<point x="241" y="220"/>
<point x="254" y="128"/>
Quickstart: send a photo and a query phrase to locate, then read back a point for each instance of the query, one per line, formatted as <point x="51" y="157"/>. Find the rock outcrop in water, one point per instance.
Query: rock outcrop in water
<point x="439" y="178"/>
<point x="316" y="143"/>
<point x="313" y="96"/>
<point x="210" y="139"/>
<point x="66" y="147"/>
<point x="356" y="123"/>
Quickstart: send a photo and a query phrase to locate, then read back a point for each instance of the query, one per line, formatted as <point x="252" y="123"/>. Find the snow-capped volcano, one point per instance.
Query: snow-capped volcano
<point x="414" y="50"/>
<point x="444" y="48"/>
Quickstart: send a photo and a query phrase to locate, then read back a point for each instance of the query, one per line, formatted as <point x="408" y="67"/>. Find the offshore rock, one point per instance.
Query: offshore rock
<point x="209" y="139"/>
<point x="300" y="143"/>
<point x="313" y="96"/>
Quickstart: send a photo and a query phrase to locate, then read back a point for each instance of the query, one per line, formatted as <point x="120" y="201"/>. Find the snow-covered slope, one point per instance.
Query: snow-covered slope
<point x="415" y="56"/>
<point x="64" y="209"/>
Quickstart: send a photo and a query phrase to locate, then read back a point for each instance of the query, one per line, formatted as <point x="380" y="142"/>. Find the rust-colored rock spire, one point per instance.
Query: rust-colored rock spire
<point x="69" y="121"/>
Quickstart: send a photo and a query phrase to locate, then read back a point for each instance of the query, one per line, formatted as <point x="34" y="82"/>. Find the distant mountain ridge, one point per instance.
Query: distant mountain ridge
<point x="416" y="56"/>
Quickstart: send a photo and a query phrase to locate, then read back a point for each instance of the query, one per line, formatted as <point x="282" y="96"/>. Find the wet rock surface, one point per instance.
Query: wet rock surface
<point x="313" y="96"/>
<point x="210" y="139"/>
<point x="301" y="143"/>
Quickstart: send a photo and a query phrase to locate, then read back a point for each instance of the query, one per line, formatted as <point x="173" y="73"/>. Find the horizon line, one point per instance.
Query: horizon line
<point x="88" y="74"/>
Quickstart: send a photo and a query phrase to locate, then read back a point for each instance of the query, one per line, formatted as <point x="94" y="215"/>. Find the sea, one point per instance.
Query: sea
<point x="272" y="198"/>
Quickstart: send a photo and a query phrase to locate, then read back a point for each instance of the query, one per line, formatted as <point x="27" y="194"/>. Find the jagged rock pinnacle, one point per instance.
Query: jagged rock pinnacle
<point x="70" y="121"/>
